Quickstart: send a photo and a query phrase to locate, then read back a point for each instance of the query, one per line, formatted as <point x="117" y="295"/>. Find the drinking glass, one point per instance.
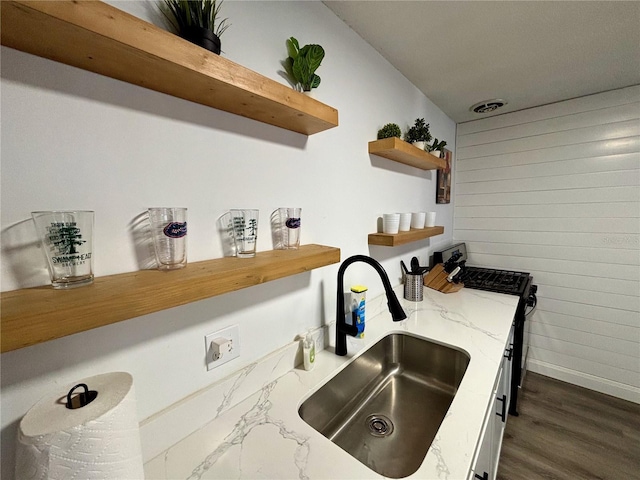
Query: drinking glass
<point x="67" y="241"/>
<point x="245" y="231"/>
<point x="169" y="231"/>
<point x="292" y="224"/>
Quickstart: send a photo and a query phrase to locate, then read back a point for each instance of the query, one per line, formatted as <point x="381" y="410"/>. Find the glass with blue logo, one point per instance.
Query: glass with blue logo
<point x="67" y="241"/>
<point x="169" y="232"/>
<point x="292" y="224"/>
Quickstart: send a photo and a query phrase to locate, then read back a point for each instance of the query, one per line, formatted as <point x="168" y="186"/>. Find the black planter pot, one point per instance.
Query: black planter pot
<point x="203" y="38"/>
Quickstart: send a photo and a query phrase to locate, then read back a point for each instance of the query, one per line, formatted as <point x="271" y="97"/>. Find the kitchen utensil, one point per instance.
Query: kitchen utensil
<point x="451" y="264"/>
<point x="404" y="267"/>
<point x="415" y="266"/>
<point x="413" y="287"/>
<point x="453" y="274"/>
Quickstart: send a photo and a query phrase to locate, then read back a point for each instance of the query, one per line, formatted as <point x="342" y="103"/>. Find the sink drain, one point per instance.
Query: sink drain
<point x="379" y="425"/>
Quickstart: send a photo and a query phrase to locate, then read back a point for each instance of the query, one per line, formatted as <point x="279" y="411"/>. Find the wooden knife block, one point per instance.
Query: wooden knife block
<point x="437" y="279"/>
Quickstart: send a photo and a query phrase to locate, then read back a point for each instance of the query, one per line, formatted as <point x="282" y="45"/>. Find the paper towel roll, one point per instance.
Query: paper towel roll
<point x="98" y="441"/>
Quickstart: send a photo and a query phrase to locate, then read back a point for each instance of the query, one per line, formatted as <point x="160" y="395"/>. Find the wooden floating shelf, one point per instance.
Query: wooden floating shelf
<point x="403" y="152"/>
<point x="100" y="38"/>
<point x="413" y="235"/>
<point x="35" y="315"/>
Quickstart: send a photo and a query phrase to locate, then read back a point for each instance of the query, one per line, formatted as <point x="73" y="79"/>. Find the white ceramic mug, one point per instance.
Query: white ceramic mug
<point x="417" y="219"/>
<point x="431" y="219"/>
<point x="390" y="222"/>
<point x="405" y="222"/>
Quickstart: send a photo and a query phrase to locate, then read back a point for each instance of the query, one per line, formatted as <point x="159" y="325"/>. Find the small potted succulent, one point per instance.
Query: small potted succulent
<point x="389" y="130"/>
<point x="437" y="147"/>
<point x="195" y="21"/>
<point x="302" y="63"/>
<point x="418" y="135"/>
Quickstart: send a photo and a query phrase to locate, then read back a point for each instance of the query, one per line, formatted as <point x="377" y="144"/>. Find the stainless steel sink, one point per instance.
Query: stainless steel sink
<point x="386" y="406"/>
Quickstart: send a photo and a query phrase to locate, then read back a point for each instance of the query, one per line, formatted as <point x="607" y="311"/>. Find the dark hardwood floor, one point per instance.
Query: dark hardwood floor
<point x="565" y="432"/>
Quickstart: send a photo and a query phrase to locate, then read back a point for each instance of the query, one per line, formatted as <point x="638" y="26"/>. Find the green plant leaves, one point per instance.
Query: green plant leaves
<point x="288" y="67"/>
<point x="302" y="63"/>
<point x="437" y="145"/>
<point x="301" y="70"/>
<point x="314" y="55"/>
<point x="184" y="14"/>
<point x="419" y="132"/>
<point x="292" y="48"/>
<point x="389" y="130"/>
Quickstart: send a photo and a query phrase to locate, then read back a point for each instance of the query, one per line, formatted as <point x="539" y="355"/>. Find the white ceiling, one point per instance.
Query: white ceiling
<point x="529" y="53"/>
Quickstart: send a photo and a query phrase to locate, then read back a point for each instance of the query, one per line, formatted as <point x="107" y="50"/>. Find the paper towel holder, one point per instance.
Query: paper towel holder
<point x="82" y="398"/>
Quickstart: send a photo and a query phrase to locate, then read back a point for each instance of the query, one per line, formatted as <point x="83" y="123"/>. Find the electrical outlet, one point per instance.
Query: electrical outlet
<point x="222" y="346"/>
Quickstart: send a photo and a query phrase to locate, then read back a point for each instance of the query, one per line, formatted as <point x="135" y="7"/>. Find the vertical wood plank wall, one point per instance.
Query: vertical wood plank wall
<point x="555" y="191"/>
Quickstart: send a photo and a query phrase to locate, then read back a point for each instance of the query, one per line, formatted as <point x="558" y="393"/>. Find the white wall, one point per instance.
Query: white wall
<point x="554" y="191"/>
<point x="72" y="139"/>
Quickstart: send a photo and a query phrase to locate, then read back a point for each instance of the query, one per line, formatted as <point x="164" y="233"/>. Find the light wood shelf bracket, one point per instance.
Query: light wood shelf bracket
<point x="401" y="238"/>
<point x="35" y="315"/>
<point x="400" y="151"/>
<point x="100" y="38"/>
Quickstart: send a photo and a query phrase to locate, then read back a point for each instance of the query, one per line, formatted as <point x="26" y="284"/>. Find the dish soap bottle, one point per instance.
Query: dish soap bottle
<point x="309" y="351"/>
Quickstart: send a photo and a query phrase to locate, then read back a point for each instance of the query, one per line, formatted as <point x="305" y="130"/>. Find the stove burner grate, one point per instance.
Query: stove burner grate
<point x="500" y="281"/>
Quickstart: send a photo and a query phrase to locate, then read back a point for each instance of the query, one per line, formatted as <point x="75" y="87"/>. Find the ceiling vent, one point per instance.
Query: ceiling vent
<point x="488" y="106"/>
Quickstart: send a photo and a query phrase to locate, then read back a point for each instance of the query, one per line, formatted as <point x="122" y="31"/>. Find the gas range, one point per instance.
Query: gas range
<point x="499" y="281"/>
<point x="489" y="279"/>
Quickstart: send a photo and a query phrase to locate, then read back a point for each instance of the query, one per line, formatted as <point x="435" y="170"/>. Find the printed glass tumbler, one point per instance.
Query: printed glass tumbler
<point x="245" y="231"/>
<point x="169" y="232"/>
<point x="292" y="225"/>
<point x="67" y="241"/>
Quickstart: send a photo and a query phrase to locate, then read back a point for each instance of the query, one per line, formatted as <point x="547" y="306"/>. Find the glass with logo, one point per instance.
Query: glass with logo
<point x="245" y="231"/>
<point x="293" y="227"/>
<point x="286" y="224"/>
<point x="169" y="231"/>
<point x="66" y="238"/>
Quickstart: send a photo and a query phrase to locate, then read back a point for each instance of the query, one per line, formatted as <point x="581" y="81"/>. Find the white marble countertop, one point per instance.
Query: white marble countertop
<point x="264" y="437"/>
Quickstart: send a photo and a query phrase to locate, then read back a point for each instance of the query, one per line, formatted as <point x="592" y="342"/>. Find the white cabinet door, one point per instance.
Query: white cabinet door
<point x="485" y="466"/>
<point x="503" y="397"/>
<point x="482" y="468"/>
<point x="499" y="422"/>
<point x="507" y="365"/>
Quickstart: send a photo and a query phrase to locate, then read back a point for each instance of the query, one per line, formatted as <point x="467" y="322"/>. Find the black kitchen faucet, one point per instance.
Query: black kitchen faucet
<point x="342" y="328"/>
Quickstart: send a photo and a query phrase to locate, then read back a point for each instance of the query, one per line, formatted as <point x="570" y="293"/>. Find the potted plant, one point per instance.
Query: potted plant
<point x="418" y="135"/>
<point x="302" y="64"/>
<point x="389" y="130"/>
<point x="195" y="21"/>
<point x="437" y="147"/>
